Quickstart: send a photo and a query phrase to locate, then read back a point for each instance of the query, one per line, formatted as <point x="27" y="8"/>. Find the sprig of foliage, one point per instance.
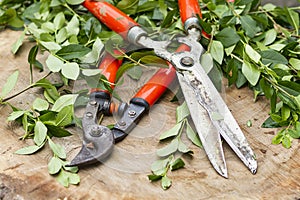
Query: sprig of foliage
<point x="261" y="50"/>
<point x="168" y="154"/>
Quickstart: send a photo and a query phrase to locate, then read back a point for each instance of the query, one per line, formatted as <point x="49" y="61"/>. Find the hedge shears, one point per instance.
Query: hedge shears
<point x="209" y="113"/>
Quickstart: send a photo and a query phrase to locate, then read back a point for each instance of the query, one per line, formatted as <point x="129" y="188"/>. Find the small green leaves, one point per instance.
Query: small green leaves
<point x="217" y="51"/>
<point x="54" y="63"/>
<point x="40" y="104"/>
<point x="167" y="153"/>
<point x="252" y="53"/>
<point x="28" y="150"/>
<point x="63" y="101"/>
<point x="54" y="165"/>
<point x="16" y="46"/>
<point x="70" y="70"/>
<point x="228" y="37"/>
<point x="57" y="149"/>
<point x="160" y="169"/>
<point x="249" y="25"/>
<point x="40" y="133"/>
<point x="73" y="51"/>
<point x="251" y="72"/>
<point x="10" y="84"/>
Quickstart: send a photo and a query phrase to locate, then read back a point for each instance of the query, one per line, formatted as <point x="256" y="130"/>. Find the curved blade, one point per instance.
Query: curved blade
<point x="209" y="136"/>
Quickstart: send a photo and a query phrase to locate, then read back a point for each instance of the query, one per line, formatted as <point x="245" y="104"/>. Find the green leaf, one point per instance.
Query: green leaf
<point x="64" y="101"/>
<point x="70" y="70"/>
<point x="159" y="167"/>
<point x="272" y="56"/>
<point x="57" y="131"/>
<point x="28" y="150"/>
<point x="73" y="26"/>
<point x="169" y="149"/>
<point x="73" y="51"/>
<point x="286" y="141"/>
<point x="171" y="132"/>
<point x="65" y="116"/>
<point x="207" y="62"/>
<point x="61" y="35"/>
<point x="182" y="112"/>
<point x="177" y="164"/>
<point x="54" y="166"/>
<point x="59" y="21"/>
<point x="128" y="6"/>
<point x="278" y="138"/>
<point x="57" y="149"/>
<point x="165" y="182"/>
<point x="270" y="37"/>
<point x="63" y="178"/>
<point x="16" y="114"/>
<point x="252" y="53"/>
<point x="249" y="25"/>
<point x="217" y="51"/>
<point x="16" y="46"/>
<point x="135" y="72"/>
<point x="74" y="179"/>
<point x="293" y="133"/>
<point x="40" y="133"/>
<point x="182" y="147"/>
<point x="293" y="19"/>
<point x="10" y="83"/>
<point x="228" y="37"/>
<point x="154" y="177"/>
<point x="193" y="136"/>
<point x="40" y="104"/>
<point x="295" y="63"/>
<point x="51" y="46"/>
<point x="74" y="2"/>
<point x="251" y="72"/>
<point x="153" y="60"/>
<point x="54" y="64"/>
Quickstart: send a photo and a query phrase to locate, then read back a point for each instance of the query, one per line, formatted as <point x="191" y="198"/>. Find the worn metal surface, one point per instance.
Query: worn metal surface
<point x="124" y="175"/>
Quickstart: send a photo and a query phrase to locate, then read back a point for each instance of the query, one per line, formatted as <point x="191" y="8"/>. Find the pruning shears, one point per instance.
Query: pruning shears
<point x="209" y="113"/>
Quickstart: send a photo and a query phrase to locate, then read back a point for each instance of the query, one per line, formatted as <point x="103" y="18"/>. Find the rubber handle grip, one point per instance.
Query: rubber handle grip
<point x="109" y="66"/>
<point x="112" y="17"/>
<point x="188" y="9"/>
<point x="157" y="85"/>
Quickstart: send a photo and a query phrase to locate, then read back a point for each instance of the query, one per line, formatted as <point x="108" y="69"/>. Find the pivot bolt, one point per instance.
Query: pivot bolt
<point x="96" y="131"/>
<point x="187" y="61"/>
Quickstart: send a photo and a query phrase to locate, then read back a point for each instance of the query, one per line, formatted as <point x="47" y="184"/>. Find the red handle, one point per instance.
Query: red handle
<point x="109" y="67"/>
<point x="188" y="9"/>
<point x="113" y="18"/>
<point x="157" y="85"/>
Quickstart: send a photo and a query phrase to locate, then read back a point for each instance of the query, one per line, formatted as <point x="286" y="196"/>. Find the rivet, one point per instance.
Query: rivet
<point x="131" y="113"/>
<point x="187" y="61"/>
<point x="122" y="123"/>
<point x="89" y="114"/>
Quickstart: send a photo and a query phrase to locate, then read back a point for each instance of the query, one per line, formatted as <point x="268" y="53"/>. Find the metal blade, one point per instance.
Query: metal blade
<point x="221" y="118"/>
<point x="208" y="134"/>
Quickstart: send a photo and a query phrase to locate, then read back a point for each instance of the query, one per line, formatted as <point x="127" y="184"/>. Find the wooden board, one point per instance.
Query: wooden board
<point x="124" y="175"/>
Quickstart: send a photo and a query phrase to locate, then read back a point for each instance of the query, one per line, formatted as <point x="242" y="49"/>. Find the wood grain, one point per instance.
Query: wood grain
<point x="124" y="175"/>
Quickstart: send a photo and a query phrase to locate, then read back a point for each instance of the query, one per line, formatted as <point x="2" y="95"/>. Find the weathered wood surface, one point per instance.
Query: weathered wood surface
<point x="124" y="175"/>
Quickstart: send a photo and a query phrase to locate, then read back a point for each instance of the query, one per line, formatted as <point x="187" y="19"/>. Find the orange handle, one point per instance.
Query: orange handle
<point x="113" y="18"/>
<point x="188" y="9"/>
<point x="109" y="67"/>
<point x="157" y="85"/>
